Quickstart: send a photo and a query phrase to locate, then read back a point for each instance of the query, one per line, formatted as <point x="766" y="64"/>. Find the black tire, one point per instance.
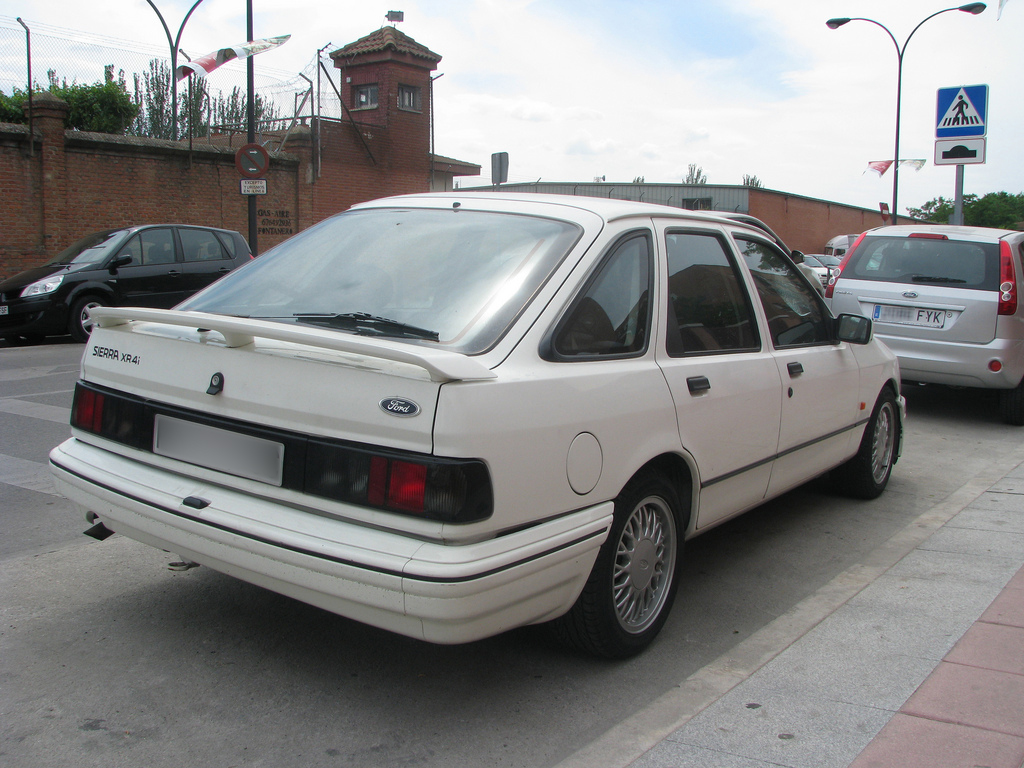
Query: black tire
<point x="79" y="325"/>
<point x="629" y="594"/>
<point x="1011" y="405"/>
<point x="867" y="473"/>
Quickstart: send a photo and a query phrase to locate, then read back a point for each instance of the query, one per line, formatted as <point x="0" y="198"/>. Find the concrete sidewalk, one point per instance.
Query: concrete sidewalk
<point x="921" y="668"/>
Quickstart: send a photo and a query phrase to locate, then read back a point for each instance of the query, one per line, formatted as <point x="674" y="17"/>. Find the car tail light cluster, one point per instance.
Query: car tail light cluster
<point x="446" y="490"/>
<point x="831" y="287"/>
<point x="451" y="490"/>
<point x="1007" y="280"/>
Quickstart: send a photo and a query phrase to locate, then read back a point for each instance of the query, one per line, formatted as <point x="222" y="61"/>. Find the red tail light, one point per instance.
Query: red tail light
<point x="1007" y="280"/>
<point x="830" y="288"/>
<point x="408" y="485"/>
<point x="87" y="412"/>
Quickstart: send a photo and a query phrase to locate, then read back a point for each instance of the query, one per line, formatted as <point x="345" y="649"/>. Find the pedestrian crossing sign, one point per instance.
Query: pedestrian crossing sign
<point x="961" y="111"/>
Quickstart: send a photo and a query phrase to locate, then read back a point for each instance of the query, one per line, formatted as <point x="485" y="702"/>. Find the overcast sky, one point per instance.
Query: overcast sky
<point x="574" y="89"/>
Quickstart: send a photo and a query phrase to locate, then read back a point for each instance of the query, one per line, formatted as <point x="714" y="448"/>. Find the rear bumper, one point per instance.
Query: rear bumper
<point x="958" y="364"/>
<point x="431" y="591"/>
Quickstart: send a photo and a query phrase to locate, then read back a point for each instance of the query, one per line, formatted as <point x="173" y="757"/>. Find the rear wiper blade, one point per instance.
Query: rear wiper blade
<point x="935" y="279"/>
<point x="367" y="324"/>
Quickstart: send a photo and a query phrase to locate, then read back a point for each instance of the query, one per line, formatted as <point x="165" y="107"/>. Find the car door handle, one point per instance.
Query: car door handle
<point x="795" y="369"/>
<point x="174" y="273"/>
<point x="698" y="384"/>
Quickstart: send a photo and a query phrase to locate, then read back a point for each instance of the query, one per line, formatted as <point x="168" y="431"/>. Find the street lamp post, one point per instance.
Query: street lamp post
<point x="174" y="61"/>
<point x="972" y="8"/>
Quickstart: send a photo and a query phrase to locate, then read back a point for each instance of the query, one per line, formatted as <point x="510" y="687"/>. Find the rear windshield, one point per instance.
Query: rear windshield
<point x="453" y="278"/>
<point x="926" y="261"/>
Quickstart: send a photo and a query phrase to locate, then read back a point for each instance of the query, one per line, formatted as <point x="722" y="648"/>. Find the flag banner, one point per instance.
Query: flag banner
<point x="878" y="166"/>
<point x="917" y="165"/>
<point x="204" y="65"/>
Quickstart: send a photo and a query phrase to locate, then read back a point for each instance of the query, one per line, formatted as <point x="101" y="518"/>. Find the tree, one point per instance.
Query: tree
<point x="937" y="210"/>
<point x="101" y="107"/>
<point x="695" y="175"/>
<point x="153" y="97"/>
<point x="995" y="209"/>
<point x="752" y="181"/>
<point x="639" y="180"/>
<point x="108" y="107"/>
<point x="10" y="107"/>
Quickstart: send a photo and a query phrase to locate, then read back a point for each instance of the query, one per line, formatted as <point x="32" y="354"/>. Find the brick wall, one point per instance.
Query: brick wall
<point x="805" y="224"/>
<point x="67" y="184"/>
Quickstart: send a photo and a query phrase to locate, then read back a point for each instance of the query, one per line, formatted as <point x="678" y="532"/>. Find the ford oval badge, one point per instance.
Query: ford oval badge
<point x="399" y="406"/>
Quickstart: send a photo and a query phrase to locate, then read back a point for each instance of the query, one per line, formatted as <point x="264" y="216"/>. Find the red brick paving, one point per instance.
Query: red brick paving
<point x="969" y="713"/>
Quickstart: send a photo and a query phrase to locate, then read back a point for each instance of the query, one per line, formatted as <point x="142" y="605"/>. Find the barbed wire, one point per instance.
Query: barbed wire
<point x="82" y="58"/>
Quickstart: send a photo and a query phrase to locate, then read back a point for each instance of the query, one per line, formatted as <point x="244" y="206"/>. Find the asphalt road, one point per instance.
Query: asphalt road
<point x="108" y="658"/>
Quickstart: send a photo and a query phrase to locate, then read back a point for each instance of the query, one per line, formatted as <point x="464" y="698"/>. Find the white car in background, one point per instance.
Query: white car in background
<point x="449" y="415"/>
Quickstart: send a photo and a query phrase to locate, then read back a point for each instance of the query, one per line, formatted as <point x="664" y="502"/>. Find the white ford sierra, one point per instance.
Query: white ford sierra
<point x="449" y="415"/>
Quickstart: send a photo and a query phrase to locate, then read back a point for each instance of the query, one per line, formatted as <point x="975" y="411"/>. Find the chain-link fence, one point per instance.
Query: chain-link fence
<point x="68" y="56"/>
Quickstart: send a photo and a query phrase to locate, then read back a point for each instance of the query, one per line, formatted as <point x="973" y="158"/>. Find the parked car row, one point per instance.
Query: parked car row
<point x="450" y="415"/>
<point x="145" y="266"/>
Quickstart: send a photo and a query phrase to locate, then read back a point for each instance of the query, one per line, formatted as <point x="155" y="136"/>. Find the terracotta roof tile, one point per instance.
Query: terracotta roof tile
<point x="384" y="38"/>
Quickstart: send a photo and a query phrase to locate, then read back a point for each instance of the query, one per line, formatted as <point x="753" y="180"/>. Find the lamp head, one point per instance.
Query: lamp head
<point x="837" y="23"/>
<point x="972" y="8"/>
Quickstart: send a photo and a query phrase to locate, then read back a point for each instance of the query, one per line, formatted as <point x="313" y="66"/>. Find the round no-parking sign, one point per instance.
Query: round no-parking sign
<point x="252" y="161"/>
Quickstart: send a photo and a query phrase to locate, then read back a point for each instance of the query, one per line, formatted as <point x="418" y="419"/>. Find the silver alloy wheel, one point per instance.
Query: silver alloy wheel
<point x="883" y="442"/>
<point x="85" y="320"/>
<point x="645" y="560"/>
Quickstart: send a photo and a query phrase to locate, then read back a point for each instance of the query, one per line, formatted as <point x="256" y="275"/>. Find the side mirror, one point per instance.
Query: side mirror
<point x="797" y="257"/>
<point x="854" y="329"/>
<point x="119" y="261"/>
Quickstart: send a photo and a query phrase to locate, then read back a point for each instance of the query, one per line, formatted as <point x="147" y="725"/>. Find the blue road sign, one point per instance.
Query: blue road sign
<point x="961" y="111"/>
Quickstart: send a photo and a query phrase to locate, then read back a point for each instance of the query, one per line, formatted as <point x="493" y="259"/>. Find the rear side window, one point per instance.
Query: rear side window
<point x="611" y="318"/>
<point x="231" y="244"/>
<point x="708" y="309"/>
<point x="926" y="261"/>
<point x="200" y="245"/>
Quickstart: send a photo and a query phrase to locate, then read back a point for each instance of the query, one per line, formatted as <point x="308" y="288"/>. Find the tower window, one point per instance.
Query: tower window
<point x="410" y="98"/>
<point x="364" y="96"/>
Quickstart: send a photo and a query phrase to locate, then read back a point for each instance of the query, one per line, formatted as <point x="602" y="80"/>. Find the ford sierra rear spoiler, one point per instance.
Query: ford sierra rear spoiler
<point x="441" y="364"/>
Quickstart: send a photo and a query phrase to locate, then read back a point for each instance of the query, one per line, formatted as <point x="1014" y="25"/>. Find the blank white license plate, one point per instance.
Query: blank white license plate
<point x="925" y="318"/>
<point x="219" y="449"/>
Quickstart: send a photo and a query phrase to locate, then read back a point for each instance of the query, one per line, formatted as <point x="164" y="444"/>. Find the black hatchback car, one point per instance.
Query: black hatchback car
<point x="147" y="266"/>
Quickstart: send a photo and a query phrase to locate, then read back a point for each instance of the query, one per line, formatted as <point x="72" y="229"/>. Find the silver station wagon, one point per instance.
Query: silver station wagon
<point x="945" y="300"/>
<point x="450" y="415"/>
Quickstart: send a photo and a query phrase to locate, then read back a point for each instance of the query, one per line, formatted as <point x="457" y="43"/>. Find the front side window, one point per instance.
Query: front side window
<point x="409" y="97"/>
<point x="454" y="278"/>
<point x="364" y="96"/>
<point x="612" y="316"/>
<point x="795" y="315"/>
<point x="708" y="308"/>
